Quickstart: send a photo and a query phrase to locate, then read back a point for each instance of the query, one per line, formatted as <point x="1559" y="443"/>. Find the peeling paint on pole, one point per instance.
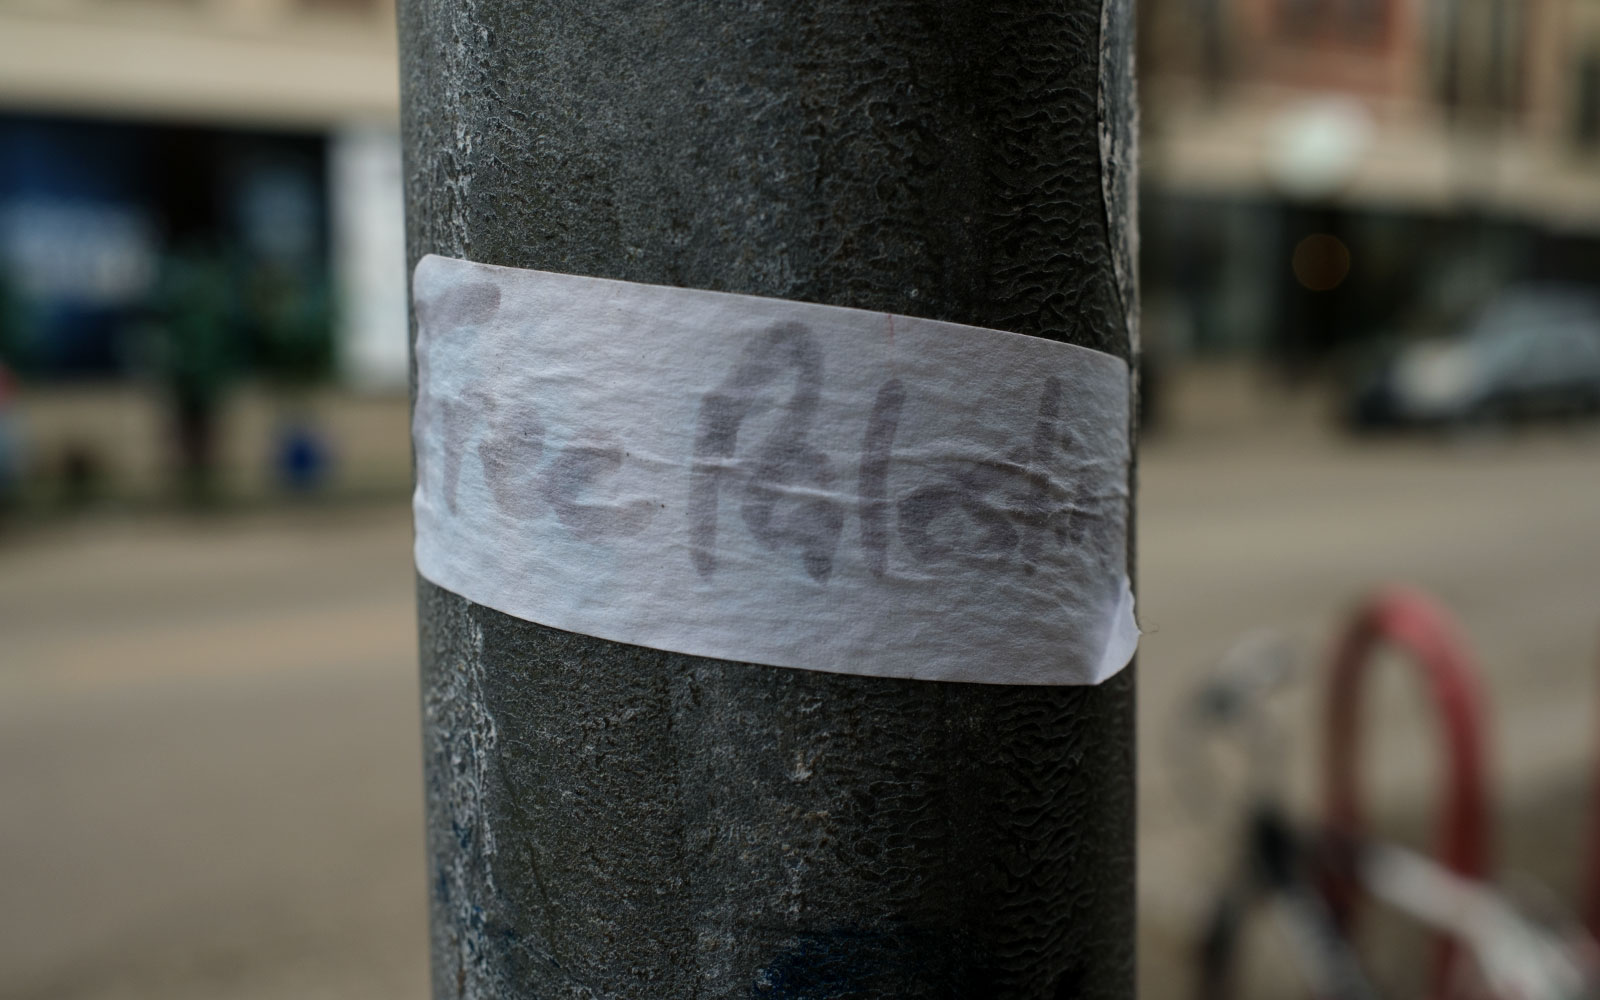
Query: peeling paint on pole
<point x="614" y="821"/>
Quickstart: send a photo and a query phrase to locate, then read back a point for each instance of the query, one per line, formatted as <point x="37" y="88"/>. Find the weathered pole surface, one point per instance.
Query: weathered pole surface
<point x="614" y="821"/>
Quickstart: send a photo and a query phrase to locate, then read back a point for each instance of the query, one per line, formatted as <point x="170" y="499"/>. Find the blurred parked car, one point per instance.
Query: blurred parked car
<point x="1531" y="352"/>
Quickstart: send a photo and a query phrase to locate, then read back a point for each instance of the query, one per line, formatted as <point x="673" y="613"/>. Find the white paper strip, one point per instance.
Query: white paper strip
<point x="773" y="482"/>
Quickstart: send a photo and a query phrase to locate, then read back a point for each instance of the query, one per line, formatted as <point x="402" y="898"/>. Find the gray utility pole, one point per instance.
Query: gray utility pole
<point x="607" y="820"/>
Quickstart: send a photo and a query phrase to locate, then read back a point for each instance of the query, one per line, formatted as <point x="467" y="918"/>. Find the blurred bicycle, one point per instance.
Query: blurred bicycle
<point x="1307" y="876"/>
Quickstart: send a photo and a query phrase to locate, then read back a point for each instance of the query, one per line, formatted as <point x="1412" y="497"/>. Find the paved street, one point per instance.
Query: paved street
<point x="208" y="761"/>
<point x="208" y="749"/>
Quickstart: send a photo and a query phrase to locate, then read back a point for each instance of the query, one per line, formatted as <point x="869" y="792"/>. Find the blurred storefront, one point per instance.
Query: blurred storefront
<point x="1323" y="174"/>
<point x="201" y="246"/>
<point x="1319" y="176"/>
<point x="257" y="135"/>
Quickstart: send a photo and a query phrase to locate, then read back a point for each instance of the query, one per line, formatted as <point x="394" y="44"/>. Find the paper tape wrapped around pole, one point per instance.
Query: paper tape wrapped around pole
<point x="774" y="482"/>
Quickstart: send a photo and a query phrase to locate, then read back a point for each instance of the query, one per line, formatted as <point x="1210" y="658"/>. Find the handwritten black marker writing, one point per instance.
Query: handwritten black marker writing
<point x="787" y="502"/>
<point x="510" y="453"/>
<point x="454" y="418"/>
<point x="573" y="472"/>
<point x="876" y="450"/>
<point x="1004" y="508"/>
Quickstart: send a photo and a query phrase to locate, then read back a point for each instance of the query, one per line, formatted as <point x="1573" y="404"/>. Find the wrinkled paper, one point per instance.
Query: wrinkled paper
<point x="772" y="482"/>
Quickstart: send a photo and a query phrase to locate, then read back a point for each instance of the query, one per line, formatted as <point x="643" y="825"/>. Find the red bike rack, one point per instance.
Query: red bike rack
<point x="1417" y="625"/>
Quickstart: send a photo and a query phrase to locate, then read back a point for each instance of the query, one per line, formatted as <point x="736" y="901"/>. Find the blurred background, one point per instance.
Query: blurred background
<point x="1370" y="255"/>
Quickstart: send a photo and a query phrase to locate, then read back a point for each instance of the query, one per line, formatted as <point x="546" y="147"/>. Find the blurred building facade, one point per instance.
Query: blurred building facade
<point x="1319" y="173"/>
<point x="140" y="136"/>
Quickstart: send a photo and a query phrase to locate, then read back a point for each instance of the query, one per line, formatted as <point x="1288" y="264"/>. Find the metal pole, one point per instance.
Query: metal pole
<point x="614" y="821"/>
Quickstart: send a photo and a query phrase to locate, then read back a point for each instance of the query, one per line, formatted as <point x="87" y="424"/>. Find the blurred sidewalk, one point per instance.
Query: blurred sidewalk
<point x="209" y="759"/>
<point x="126" y="430"/>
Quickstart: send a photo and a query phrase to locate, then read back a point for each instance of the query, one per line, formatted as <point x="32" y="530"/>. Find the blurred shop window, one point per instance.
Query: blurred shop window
<point x="1586" y="101"/>
<point x="70" y="265"/>
<point x="1366" y="21"/>
<point x="1477" y="53"/>
<point x="1214" y="49"/>
<point x="78" y="250"/>
<point x="1363" y="22"/>
<point x="1301" y="18"/>
<point x="1502" y="37"/>
<point x="1187" y="37"/>
<point x="277" y="213"/>
<point x="1444" y="50"/>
